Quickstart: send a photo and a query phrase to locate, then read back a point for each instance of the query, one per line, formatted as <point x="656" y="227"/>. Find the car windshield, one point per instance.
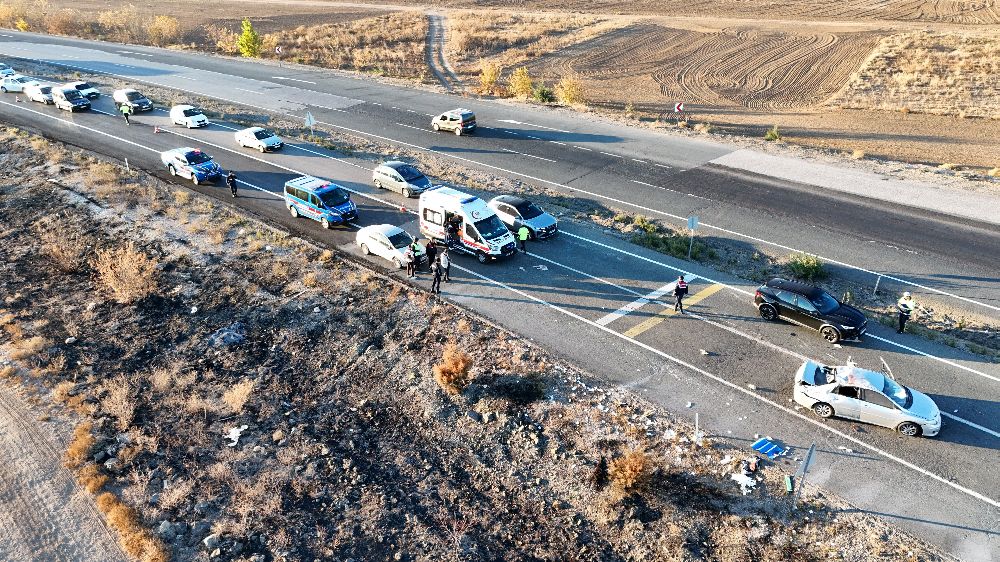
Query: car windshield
<point x="134" y="96"/>
<point x="409" y="173"/>
<point x="897" y="393"/>
<point x="23" y="80"/>
<point x="198" y="158"/>
<point x="83" y="86"/>
<point x="334" y="197"/>
<point x="45" y="89"/>
<point x="192" y="112"/>
<point x="491" y="227"/>
<point x="72" y="95"/>
<point x="825" y="303"/>
<point x="400" y="240"/>
<point x="529" y="210"/>
<point x="263" y="134"/>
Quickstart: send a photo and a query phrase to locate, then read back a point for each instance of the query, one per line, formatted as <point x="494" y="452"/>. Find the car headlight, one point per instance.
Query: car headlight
<point x="848" y="328"/>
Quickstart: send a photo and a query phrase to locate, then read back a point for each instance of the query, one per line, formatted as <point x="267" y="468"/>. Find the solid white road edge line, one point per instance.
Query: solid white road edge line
<point x="740" y="389"/>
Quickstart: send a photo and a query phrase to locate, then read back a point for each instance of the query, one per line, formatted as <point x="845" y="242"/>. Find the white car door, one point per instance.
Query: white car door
<point x="385" y="248"/>
<point x="846" y="402"/>
<point x="877" y="409"/>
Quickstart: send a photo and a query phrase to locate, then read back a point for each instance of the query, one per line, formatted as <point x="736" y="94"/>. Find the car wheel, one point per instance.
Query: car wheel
<point x="172" y="170"/>
<point x="194" y="179"/>
<point x="909" y="429"/>
<point x="830" y="334"/>
<point x="434" y="126"/>
<point x="767" y="312"/>
<point x="407" y="193"/>
<point x="458" y="131"/>
<point x="823" y="410"/>
<point x="482" y="257"/>
<point x="378" y="184"/>
<point x="365" y="250"/>
<point x="325" y="223"/>
<point x="4" y="90"/>
<point x="262" y="149"/>
<point x="396" y="263"/>
<point x="294" y="211"/>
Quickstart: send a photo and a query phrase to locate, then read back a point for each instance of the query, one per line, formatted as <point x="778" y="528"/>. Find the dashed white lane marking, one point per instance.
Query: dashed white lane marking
<point x="969" y="423"/>
<point x="248" y="91"/>
<point x="612" y="155"/>
<point x="374" y="103"/>
<point x="637" y="304"/>
<point x="528" y="155"/>
<point x="412" y="127"/>
<point x="639" y="161"/>
<point x="583" y="148"/>
<point x="557" y="142"/>
<point x="534" y="137"/>
<point x="512" y="122"/>
<point x="662" y="166"/>
<point x="186" y="78"/>
<point x="292" y="79"/>
<point x="515" y="133"/>
<point x="3" y="35"/>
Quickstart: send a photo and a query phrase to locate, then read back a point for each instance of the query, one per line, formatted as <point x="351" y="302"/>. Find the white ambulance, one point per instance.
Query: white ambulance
<point x="465" y="223"/>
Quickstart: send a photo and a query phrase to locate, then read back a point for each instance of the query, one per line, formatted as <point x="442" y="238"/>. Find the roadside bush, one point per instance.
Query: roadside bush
<point x="67" y="250"/>
<point x="489" y="78"/>
<point x="520" y="84"/>
<point x="163" y="30"/>
<point x="22" y="25"/>
<point x="10" y="13"/>
<point x="91" y="478"/>
<point x="238" y="395"/>
<point x="773" y="134"/>
<point x="122" y="24"/>
<point x="223" y="38"/>
<point x="805" y="266"/>
<point x="542" y="94"/>
<point x="569" y="91"/>
<point x="675" y="245"/>
<point x="136" y="541"/>
<point x="122" y="400"/>
<point x="128" y="274"/>
<point x="64" y="22"/>
<point x="629" y="471"/>
<point x="81" y="446"/>
<point x="249" y="42"/>
<point x="994" y="173"/>
<point x="452" y="373"/>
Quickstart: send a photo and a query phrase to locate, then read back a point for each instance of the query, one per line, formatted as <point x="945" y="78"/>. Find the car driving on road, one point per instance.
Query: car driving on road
<point x="259" y="138"/>
<point x="516" y="212"/>
<point x="132" y="98"/>
<point x="188" y="116"/>
<point x="866" y="396"/>
<point x="460" y="121"/>
<point x="42" y="93"/>
<point x="809" y="306"/>
<point x="400" y="177"/>
<point x="15" y="83"/>
<point x="6" y="70"/>
<point x="88" y="91"/>
<point x="69" y="99"/>
<point x="191" y="163"/>
<point x="385" y="241"/>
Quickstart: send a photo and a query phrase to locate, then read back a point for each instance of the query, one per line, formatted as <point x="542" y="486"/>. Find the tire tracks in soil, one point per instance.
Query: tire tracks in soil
<point x="434" y="54"/>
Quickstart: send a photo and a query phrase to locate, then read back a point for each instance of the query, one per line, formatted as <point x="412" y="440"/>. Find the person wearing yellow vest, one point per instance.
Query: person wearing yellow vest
<point x="680" y="290"/>
<point x="522" y="236"/>
<point x="906" y="305"/>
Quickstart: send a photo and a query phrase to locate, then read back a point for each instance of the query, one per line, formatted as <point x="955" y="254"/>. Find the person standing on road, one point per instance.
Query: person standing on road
<point x="436" y="280"/>
<point x="432" y="251"/>
<point x="410" y="261"/>
<point x="680" y="291"/>
<point x="231" y="182"/>
<point x="522" y="236"/>
<point x="905" y="306"/>
<point x="445" y="262"/>
<point x="126" y="110"/>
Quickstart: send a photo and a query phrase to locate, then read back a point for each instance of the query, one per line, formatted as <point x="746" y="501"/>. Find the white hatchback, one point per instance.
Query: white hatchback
<point x="15" y="83"/>
<point x="259" y="138"/>
<point x="42" y="93"/>
<point x="385" y="241"/>
<point x="188" y="116"/>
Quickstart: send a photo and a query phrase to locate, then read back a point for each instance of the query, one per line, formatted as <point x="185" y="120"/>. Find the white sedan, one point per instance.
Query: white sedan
<point x="259" y="138"/>
<point x="866" y="396"/>
<point x="15" y="83"/>
<point x="188" y="116"/>
<point x="42" y="93"/>
<point x="386" y="241"/>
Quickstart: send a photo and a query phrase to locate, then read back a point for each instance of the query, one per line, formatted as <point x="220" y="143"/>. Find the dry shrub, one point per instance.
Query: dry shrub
<point x="104" y="173"/>
<point x="452" y="373"/>
<point x="163" y="30"/>
<point x="948" y="166"/>
<point x="61" y="391"/>
<point x="706" y="128"/>
<point x="91" y="478"/>
<point x="161" y="378"/>
<point x="138" y="542"/>
<point x="8" y="371"/>
<point x="463" y="326"/>
<point x="569" y="91"/>
<point x="326" y="256"/>
<point x="310" y="279"/>
<point x="26" y="348"/>
<point x="393" y="295"/>
<point x="67" y="250"/>
<point x="520" y="83"/>
<point x="223" y="38"/>
<point x="176" y="494"/>
<point x="11" y="12"/>
<point x="182" y="197"/>
<point x="629" y="471"/>
<point x="81" y="446"/>
<point x="858" y="154"/>
<point x="489" y="78"/>
<point x="122" y="400"/>
<point x="237" y="396"/>
<point x="64" y="22"/>
<point x="122" y="24"/>
<point x="128" y="274"/>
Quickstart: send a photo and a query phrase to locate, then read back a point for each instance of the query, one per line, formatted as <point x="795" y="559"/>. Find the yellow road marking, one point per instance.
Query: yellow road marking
<point x="664" y="314"/>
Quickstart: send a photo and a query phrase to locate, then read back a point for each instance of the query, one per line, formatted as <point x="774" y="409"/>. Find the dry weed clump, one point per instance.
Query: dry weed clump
<point x="67" y="250"/>
<point x="128" y="274"/>
<point x="238" y="395"/>
<point x="452" y="373"/>
<point x="994" y="172"/>
<point x="122" y="400"/>
<point x="91" y="478"/>
<point x="81" y="446"/>
<point x="138" y="542"/>
<point x="629" y="471"/>
<point x="8" y="372"/>
<point x="24" y="348"/>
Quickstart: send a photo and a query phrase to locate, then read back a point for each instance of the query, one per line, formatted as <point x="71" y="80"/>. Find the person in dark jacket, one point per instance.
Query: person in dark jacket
<point x="432" y="251"/>
<point x="680" y="291"/>
<point x="436" y="280"/>
<point x="231" y="182"/>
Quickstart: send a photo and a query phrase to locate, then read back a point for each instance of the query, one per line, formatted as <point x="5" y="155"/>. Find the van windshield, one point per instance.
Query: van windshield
<point x="72" y="95"/>
<point x="334" y="197"/>
<point x="491" y="227"/>
<point x="192" y="112"/>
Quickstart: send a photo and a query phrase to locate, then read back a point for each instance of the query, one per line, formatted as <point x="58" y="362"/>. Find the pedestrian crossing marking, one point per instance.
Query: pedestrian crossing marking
<point x="664" y="314"/>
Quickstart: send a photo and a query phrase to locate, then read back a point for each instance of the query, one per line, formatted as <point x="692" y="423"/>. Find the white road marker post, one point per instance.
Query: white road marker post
<point x="277" y="51"/>
<point x="310" y="121"/>
<point x="692" y="225"/>
<point x="127" y="169"/>
<point x="877" y="281"/>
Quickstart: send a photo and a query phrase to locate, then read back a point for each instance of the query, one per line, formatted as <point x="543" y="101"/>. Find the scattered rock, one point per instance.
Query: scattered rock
<point x="233" y="334"/>
<point x="101" y="456"/>
<point x="751" y="386"/>
<point x="474" y="415"/>
<point x="278" y="435"/>
<point x="194" y="310"/>
<point x="166" y="530"/>
<point x="211" y="542"/>
<point x="70" y="340"/>
<point x="113" y="465"/>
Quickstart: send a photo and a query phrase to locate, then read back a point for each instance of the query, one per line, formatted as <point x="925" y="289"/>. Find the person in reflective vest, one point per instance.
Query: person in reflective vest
<point x="680" y="291"/>
<point x="905" y="306"/>
<point x="522" y="236"/>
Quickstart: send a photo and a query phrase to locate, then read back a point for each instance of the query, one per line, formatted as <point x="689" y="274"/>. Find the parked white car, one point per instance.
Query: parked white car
<point x="188" y="116"/>
<point x="85" y="89"/>
<point x="259" y="138"/>
<point x="385" y="241"/>
<point x="6" y="70"/>
<point x="866" y="396"/>
<point x="42" y="93"/>
<point x="15" y="83"/>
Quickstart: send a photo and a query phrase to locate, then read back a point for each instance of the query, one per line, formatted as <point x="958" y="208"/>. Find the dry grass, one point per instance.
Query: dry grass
<point x="310" y="279"/>
<point x="858" y="155"/>
<point x="238" y="395"/>
<point x="81" y="446"/>
<point x="994" y="172"/>
<point x="948" y="166"/>
<point x="452" y="373"/>
<point x="135" y="540"/>
<point x="122" y="400"/>
<point x="22" y="349"/>
<point x="91" y="478"/>
<point x="128" y="274"/>
<point x="8" y="372"/>
<point x="629" y="471"/>
<point x="66" y="249"/>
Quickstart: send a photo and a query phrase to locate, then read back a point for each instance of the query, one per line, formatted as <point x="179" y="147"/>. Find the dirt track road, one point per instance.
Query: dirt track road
<point x="435" y="53"/>
<point x="44" y="515"/>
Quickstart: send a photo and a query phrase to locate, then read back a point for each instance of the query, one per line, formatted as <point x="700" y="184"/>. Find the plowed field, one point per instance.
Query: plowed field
<point x="735" y="67"/>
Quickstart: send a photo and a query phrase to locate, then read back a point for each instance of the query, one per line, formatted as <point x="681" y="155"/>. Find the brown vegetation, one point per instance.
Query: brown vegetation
<point x="629" y="471"/>
<point x="453" y="371"/>
<point x="81" y="446"/>
<point x="127" y="273"/>
<point x="237" y="396"/>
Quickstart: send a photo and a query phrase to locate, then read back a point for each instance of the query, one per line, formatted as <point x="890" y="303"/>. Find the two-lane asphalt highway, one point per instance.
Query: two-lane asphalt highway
<point x="948" y="258"/>
<point x="579" y="295"/>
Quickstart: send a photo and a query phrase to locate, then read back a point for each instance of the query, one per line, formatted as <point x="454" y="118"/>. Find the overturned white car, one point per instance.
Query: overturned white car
<point x="867" y="396"/>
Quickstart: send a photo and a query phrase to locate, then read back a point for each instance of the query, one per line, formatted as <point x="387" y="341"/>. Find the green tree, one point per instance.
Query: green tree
<point x="250" y="42"/>
<point x="520" y="83"/>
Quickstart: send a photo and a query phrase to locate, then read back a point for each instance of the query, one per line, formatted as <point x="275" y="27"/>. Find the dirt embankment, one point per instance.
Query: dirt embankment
<point x="251" y="397"/>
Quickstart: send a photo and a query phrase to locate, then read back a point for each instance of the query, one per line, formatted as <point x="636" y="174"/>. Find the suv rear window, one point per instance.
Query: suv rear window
<point x="83" y="86"/>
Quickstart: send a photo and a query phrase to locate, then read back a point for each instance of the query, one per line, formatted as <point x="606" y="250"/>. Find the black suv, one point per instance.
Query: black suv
<point x="811" y="307"/>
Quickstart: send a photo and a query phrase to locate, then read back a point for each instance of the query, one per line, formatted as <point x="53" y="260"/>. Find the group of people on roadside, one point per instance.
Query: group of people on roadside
<point x="437" y="260"/>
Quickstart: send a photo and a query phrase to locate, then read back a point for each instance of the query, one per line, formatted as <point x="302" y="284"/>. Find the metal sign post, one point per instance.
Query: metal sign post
<point x="310" y="121"/>
<point x="800" y="474"/>
<point x="692" y="225"/>
<point x="277" y="51"/>
<point x="678" y="110"/>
